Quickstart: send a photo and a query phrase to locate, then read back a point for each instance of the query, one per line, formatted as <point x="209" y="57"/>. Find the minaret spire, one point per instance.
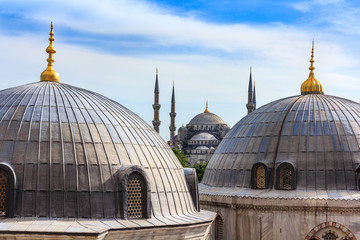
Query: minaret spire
<point x="207" y="107"/>
<point x="311" y="85"/>
<point x="250" y="105"/>
<point x="172" y="116"/>
<point x="50" y="74"/>
<point x="156" y="106"/>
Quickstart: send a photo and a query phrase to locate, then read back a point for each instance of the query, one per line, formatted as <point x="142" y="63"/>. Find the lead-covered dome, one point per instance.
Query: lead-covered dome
<point x="203" y="136"/>
<point x="316" y="136"/>
<point x="206" y="118"/>
<point x="69" y="149"/>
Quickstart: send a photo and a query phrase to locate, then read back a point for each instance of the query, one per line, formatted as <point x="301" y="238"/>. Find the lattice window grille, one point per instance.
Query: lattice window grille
<point x="219" y="228"/>
<point x="286" y="178"/>
<point x="135" y="197"/>
<point x="330" y="235"/>
<point x="3" y="186"/>
<point x="260" y="177"/>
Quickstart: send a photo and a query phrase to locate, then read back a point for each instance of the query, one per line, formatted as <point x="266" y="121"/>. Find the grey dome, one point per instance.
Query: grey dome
<point x="202" y="148"/>
<point x="206" y="118"/>
<point x="203" y="136"/>
<point x="317" y="134"/>
<point x="66" y="146"/>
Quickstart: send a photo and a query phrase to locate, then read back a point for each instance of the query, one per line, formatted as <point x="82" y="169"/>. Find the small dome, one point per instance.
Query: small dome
<point x="206" y="118"/>
<point x="318" y="135"/>
<point x="203" y="136"/>
<point x="202" y="148"/>
<point x="68" y="145"/>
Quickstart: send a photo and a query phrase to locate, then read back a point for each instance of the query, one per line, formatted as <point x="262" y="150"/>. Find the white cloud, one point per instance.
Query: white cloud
<point x="278" y="53"/>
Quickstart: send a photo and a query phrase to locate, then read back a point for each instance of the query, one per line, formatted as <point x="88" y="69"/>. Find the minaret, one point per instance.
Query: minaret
<point x="156" y="122"/>
<point x="254" y="97"/>
<point x="250" y="104"/>
<point x="172" y="117"/>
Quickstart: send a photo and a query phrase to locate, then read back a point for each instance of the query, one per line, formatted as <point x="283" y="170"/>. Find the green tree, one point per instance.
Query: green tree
<point x="200" y="169"/>
<point x="181" y="157"/>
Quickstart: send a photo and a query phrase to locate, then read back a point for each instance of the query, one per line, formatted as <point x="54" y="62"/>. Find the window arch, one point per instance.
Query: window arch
<point x="4" y="189"/>
<point x="135" y="201"/>
<point x="136" y="198"/>
<point x="259" y="176"/>
<point x="330" y="231"/>
<point x="219" y="228"/>
<point x="286" y="177"/>
<point x="8" y="190"/>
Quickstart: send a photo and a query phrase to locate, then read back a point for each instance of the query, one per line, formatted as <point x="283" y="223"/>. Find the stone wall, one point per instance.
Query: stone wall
<point x="283" y="219"/>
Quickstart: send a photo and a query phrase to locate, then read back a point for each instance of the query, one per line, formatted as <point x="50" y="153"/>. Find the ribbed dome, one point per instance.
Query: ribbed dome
<point x="206" y="118"/>
<point x="67" y="145"/>
<point x="319" y="135"/>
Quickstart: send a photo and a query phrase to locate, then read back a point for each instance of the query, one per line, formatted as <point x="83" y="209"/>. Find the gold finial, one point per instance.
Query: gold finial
<point x="207" y="105"/>
<point x="50" y="74"/>
<point x="157" y="71"/>
<point x="311" y="85"/>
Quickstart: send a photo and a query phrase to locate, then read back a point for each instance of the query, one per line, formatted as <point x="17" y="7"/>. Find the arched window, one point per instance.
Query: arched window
<point x="330" y="235"/>
<point x="286" y="178"/>
<point x="260" y="177"/>
<point x="219" y="228"/>
<point x="136" y="196"/>
<point x="330" y="231"/>
<point x="3" y="192"/>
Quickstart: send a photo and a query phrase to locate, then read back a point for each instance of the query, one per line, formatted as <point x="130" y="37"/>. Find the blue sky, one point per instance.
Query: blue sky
<point x="207" y="47"/>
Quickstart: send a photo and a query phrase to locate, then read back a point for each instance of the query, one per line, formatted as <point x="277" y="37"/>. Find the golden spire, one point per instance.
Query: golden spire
<point x="311" y="85"/>
<point x="50" y="74"/>
<point x="207" y="110"/>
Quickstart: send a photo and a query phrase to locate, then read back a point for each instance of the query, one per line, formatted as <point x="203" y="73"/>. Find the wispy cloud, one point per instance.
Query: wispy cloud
<point x="307" y="6"/>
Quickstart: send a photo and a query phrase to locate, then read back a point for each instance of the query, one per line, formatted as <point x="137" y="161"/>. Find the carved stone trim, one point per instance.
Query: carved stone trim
<point x="264" y="208"/>
<point x="336" y="225"/>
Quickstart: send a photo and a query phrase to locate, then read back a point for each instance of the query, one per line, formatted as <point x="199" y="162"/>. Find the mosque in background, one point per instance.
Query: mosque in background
<point x="77" y="165"/>
<point x="288" y="170"/>
<point x="201" y="136"/>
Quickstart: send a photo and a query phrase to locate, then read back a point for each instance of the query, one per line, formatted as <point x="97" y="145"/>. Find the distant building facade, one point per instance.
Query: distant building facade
<point x="201" y="136"/>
